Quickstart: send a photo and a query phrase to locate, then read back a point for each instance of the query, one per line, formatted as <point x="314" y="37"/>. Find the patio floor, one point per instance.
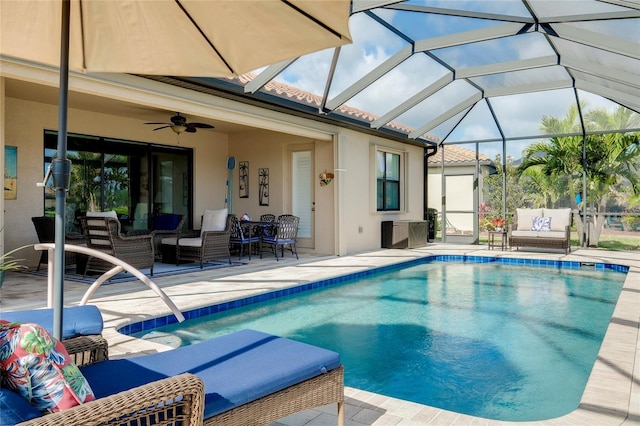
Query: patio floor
<point x="612" y="396"/>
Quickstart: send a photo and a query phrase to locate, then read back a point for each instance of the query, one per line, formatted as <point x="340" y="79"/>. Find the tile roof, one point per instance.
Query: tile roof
<point x="286" y="91"/>
<point x="455" y="154"/>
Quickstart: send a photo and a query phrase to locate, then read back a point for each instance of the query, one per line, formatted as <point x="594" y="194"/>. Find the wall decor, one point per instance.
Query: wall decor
<point x="10" y="172"/>
<point x="244" y="179"/>
<point x="263" y="195"/>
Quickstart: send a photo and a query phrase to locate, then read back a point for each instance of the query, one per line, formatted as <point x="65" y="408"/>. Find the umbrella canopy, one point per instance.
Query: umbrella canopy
<point x="197" y="38"/>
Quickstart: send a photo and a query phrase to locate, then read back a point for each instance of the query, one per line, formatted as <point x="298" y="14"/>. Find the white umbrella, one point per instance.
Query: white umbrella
<point x="197" y="38"/>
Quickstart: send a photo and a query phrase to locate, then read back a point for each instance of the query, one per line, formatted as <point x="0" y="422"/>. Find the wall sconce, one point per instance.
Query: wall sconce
<point x="326" y="178"/>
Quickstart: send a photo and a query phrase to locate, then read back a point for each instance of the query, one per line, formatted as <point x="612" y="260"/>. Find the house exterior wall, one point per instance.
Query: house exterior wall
<point x="24" y="127"/>
<point x="360" y="226"/>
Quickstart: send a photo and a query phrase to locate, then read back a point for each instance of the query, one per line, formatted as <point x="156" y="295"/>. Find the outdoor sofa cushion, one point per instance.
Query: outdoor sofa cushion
<point x="214" y="220"/>
<point x="236" y="368"/>
<point x="560" y="218"/>
<point x="77" y="320"/>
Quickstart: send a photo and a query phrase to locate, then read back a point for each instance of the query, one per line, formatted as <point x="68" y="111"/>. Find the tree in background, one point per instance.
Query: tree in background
<point x="611" y="168"/>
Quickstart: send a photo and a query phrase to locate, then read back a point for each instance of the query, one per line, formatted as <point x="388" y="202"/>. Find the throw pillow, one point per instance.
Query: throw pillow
<point x="525" y="216"/>
<point x="214" y="220"/>
<point x="37" y="366"/>
<point x="110" y="213"/>
<point x="541" y="224"/>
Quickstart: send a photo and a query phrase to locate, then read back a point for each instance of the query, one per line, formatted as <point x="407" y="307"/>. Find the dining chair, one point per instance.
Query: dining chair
<point x="286" y="233"/>
<point x="266" y="229"/>
<point x="241" y="238"/>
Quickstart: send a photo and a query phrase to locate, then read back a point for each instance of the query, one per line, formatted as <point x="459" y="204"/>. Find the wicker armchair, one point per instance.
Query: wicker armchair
<point x="103" y="234"/>
<point x="197" y="246"/>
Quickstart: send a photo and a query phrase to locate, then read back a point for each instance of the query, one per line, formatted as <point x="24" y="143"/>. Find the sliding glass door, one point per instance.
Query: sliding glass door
<point x="133" y="179"/>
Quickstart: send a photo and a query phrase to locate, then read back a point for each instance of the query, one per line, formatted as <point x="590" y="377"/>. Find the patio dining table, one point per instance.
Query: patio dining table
<point x="256" y="228"/>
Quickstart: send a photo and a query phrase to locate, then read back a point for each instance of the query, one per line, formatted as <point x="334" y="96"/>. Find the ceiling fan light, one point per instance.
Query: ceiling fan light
<point x="178" y="128"/>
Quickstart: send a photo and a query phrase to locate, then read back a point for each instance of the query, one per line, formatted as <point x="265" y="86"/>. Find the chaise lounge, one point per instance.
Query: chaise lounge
<point x="541" y="228"/>
<point x="246" y="377"/>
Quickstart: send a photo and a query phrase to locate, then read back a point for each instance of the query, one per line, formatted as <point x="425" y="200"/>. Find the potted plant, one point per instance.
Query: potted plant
<point x="9" y="263"/>
<point x="498" y="224"/>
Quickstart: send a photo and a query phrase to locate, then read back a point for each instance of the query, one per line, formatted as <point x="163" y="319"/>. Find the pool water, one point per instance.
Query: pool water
<point x="502" y="342"/>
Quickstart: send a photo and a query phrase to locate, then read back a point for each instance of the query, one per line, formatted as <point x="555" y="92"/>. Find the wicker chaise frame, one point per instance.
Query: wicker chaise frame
<point x="174" y="399"/>
<point x="181" y="398"/>
<point x="540" y="242"/>
<point x="321" y="390"/>
<point x="86" y="350"/>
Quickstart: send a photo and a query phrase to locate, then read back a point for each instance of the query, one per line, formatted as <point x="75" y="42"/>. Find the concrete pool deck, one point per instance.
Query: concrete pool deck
<point x="612" y="395"/>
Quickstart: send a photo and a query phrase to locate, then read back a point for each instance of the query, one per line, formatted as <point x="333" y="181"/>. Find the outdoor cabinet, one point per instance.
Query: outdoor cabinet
<point x="404" y="233"/>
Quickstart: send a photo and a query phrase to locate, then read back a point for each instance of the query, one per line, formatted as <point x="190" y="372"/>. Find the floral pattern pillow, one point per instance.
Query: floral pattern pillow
<point x="542" y="224"/>
<point x="37" y="366"/>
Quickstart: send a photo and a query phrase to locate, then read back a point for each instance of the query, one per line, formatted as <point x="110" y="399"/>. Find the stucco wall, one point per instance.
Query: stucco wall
<point x="346" y="221"/>
<point x="265" y="149"/>
<point x="361" y="221"/>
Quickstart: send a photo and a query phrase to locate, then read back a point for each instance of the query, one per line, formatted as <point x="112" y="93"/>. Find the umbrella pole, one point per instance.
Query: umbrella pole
<point x="60" y="169"/>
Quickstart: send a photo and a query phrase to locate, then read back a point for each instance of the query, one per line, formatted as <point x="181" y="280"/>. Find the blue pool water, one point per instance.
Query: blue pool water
<point x="490" y="340"/>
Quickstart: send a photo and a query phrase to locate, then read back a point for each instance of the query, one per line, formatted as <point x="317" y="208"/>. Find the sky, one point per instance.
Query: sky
<point x="518" y="115"/>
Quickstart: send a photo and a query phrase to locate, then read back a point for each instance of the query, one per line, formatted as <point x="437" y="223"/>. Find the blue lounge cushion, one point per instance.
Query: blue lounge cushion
<point x="77" y="320"/>
<point x="236" y="368"/>
<point x="15" y="409"/>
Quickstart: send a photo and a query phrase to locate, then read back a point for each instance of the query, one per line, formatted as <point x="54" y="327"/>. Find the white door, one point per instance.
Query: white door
<point x="302" y="195"/>
<point x="459" y="213"/>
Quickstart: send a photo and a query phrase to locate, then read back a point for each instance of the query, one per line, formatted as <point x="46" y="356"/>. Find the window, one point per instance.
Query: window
<point x="388" y="181"/>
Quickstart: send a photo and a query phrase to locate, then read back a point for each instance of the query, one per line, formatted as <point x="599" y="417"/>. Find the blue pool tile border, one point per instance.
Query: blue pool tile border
<point x="153" y="323"/>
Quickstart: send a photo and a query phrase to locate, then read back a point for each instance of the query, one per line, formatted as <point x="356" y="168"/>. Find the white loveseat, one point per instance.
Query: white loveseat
<point x="542" y="228"/>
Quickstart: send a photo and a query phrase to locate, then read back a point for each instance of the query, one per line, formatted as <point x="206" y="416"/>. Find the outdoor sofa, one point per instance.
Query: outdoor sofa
<point x="244" y="378"/>
<point x="541" y="228"/>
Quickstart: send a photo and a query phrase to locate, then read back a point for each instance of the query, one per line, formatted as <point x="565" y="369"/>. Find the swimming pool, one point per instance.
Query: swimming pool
<point x="459" y="336"/>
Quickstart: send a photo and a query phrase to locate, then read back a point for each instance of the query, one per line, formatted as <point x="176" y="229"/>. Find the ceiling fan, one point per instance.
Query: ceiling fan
<point x="179" y="125"/>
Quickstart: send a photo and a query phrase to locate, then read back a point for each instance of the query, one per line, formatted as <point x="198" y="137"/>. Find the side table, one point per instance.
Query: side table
<point x="502" y="236"/>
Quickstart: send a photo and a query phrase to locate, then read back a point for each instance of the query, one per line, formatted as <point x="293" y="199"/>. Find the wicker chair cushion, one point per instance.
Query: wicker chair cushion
<point x="561" y="218"/>
<point x="214" y="220"/>
<point x="15" y="409"/>
<point x="236" y="368"/>
<point x="188" y="242"/>
<point x="525" y="217"/>
<point x="77" y="320"/>
<point x="38" y="367"/>
<point x="110" y="213"/>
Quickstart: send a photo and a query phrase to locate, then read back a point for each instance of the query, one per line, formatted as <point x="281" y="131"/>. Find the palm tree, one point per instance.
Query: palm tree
<point x="611" y="159"/>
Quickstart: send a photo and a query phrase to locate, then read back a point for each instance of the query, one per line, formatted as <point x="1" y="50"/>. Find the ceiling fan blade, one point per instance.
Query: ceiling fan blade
<point x="201" y="125"/>
<point x="163" y="127"/>
<point x="190" y="129"/>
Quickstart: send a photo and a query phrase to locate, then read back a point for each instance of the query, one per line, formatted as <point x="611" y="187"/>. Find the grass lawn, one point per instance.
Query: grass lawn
<point x="616" y="242"/>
